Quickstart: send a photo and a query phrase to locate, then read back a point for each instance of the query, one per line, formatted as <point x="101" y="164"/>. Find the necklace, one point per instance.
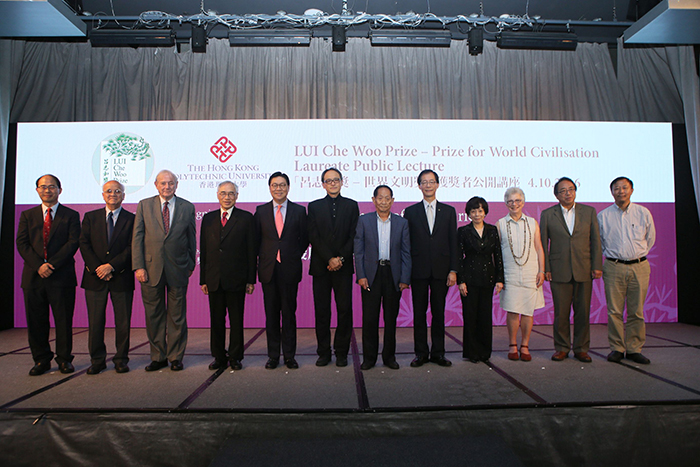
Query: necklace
<point x="527" y="236"/>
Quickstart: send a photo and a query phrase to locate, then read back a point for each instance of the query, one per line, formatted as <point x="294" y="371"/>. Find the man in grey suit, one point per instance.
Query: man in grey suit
<point x="383" y="265"/>
<point x="573" y="258"/>
<point x="163" y="257"/>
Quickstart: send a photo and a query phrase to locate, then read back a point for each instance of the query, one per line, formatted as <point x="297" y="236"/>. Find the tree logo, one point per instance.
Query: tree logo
<point x="125" y="157"/>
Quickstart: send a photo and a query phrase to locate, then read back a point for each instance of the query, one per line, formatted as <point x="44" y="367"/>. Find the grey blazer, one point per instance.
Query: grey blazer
<point x="367" y="249"/>
<point x="172" y="255"/>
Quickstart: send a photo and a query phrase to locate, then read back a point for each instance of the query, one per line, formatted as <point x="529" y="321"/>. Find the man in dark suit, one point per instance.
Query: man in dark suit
<point x="227" y="273"/>
<point x="163" y="256"/>
<point x="573" y="258"/>
<point x="433" y="227"/>
<point x="47" y="239"/>
<point x="283" y="239"/>
<point x="105" y="244"/>
<point x="332" y="224"/>
<point x="383" y="265"/>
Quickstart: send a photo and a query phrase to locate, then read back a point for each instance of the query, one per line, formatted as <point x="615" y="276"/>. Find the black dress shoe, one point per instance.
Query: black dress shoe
<point x="341" y="360"/>
<point x="638" y="358"/>
<point x="323" y="360"/>
<point x="366" y="366"/>
<point x="419" y="361"/>
<point x="96" y="368"/>
<point x="40" y="368"/>
<point x="155" y="366"/>
<point x="615" y="356"/>
<point x="236" y="365"/>
<point x="66" y="367"/>
<point x="176" y="365"/>
<point x="291" y="363"/>
<point x="441" y="360"/>
<point x="121" y="367"/>
<point x="272" y="363"/>
<point x="392" y="364"/>
<point x="216" y="364"/>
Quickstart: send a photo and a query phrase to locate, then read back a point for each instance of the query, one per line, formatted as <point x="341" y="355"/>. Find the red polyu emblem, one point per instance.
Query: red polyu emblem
<point x="223" y="149"/>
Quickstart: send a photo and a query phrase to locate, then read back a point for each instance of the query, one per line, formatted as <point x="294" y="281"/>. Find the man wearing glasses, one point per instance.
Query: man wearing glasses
<point x="47" y="239"/>
<point x="332" y="224"/>
<point x="227" y="260"/>
<point x="433" y="230"/>
<point x="105" y="244"/>
<point x="573" y="258"/>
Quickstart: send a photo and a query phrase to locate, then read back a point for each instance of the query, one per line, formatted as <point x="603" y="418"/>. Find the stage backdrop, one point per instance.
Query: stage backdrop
<point x="473" y="158"/>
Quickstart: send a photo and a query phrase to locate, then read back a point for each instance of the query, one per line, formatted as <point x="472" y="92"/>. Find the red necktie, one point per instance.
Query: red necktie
<point x="47" y="231"/>
<point x="279" y="223"/>
<point x="223" y="219"/>
<point x="166" y="218"/>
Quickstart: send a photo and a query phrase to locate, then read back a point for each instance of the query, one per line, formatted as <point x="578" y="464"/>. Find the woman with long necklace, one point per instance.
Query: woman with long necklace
<point x="523" y="263"/>
<point x="480" y="270"/>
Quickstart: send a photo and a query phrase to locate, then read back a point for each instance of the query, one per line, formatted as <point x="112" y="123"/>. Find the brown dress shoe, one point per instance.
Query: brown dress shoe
<point x="583" y="357"/>
<point x="525" y="357"/>
<point x="514" y="355"/>
<point x="560" y="356"/>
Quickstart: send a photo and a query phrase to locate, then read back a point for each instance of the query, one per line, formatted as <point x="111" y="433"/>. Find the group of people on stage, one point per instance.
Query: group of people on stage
<point x="423" y="251"/>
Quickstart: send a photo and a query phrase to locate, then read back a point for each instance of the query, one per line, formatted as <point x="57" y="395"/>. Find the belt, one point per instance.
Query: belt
<point x="627" y="261"/>
<point x="384" y="262"/>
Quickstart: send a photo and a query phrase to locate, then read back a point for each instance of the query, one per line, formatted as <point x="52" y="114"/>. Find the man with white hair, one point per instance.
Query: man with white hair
<point x="163" y="257"/>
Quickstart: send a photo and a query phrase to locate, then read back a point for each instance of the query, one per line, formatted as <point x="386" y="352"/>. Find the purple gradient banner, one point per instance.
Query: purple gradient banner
<point x="661" y="304"/>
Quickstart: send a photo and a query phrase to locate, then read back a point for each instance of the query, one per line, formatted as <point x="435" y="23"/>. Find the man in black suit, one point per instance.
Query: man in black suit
<point x="332" y="224"/>
<point x="283" y="239"/>
<point x="227" y="273"/>
<point x="105" y="244"/>
<point x="433" y="228"/>
<point x="47" y="239"/>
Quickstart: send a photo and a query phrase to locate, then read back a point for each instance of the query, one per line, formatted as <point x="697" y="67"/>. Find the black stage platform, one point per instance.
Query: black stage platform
<point x="537" y="413"/>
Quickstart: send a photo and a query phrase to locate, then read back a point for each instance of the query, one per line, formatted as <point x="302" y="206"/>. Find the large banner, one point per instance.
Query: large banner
<point x="473" y="158"/>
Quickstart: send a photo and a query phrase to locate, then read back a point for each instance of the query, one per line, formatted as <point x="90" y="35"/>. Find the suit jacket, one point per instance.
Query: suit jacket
<point x="566" y="255"/>
<point x="96" y="251"/>
<point x="329" y="239"/>
<point x="481" y="262"/>
<point x="434" y="255"/>
<point x="63" y="243"/>
<point x="227" y="255"/>
<point x="291" y="244"/>
<point x="157" y="253"/>
<point x="367" y="249"/>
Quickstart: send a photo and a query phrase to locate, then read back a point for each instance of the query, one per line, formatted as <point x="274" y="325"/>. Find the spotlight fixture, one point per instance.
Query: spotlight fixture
<point x="269" y="37"/>
<point x="339" y="39"/>
<point x="132" y="37"/>
<point x="199" y="38"/>
<point x="537" y="40"/>
<point x="410" y="37"/>
<point x="476" y="41"/>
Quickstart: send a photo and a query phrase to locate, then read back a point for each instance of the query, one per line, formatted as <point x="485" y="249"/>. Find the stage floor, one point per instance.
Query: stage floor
<point x="672" y="377"/>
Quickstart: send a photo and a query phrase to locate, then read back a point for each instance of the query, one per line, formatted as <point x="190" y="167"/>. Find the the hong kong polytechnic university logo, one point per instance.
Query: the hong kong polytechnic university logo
<point x="125" y="157"/>
<point x="223" y="149"/>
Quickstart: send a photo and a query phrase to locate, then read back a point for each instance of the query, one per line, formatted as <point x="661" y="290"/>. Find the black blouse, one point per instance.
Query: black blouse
<point x="481" y="262"/>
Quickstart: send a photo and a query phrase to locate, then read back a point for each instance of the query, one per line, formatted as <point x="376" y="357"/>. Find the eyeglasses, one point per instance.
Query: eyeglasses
<point x="330" y="181"/>
<point x="512" y="202"/>
<point x="227" y="194"/>
<point x="565" y="191"/>
<point x="276" y="186"/>
<point x="46" y="187"/>
<point x="110" y="191"/>
<point x="428" y="182"/>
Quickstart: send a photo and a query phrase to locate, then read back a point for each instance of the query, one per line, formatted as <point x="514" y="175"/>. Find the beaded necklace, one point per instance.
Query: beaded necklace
<point x="527" y="237"/>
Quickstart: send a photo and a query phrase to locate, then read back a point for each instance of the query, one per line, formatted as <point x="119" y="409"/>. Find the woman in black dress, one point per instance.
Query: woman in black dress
<point x="480" y="270"/>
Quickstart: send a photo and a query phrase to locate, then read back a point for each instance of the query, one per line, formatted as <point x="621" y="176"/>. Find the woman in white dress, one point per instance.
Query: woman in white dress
<point x="523" y="264"/>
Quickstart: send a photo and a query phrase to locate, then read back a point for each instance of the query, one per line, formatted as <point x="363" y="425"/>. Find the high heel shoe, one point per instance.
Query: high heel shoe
<point x="514" y="355"/>
<point x="526" y="357"/>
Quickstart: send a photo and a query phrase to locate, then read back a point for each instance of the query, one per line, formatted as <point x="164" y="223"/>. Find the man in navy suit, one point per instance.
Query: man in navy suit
<point x="105" y="244"/>
<point x="332" y="224"/>
<point x="47" y="239"/>
<point x="227" y="260"/>
<point x="383" y="269"/>
<point x="283" y="239"/>
<point x="433" y="227"/>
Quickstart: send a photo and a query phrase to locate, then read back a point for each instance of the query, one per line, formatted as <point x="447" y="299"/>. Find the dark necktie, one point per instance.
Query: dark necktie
<point x="47" y="231"/>
<point x="110" y="226"/>
<point x="166" y="218"/>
